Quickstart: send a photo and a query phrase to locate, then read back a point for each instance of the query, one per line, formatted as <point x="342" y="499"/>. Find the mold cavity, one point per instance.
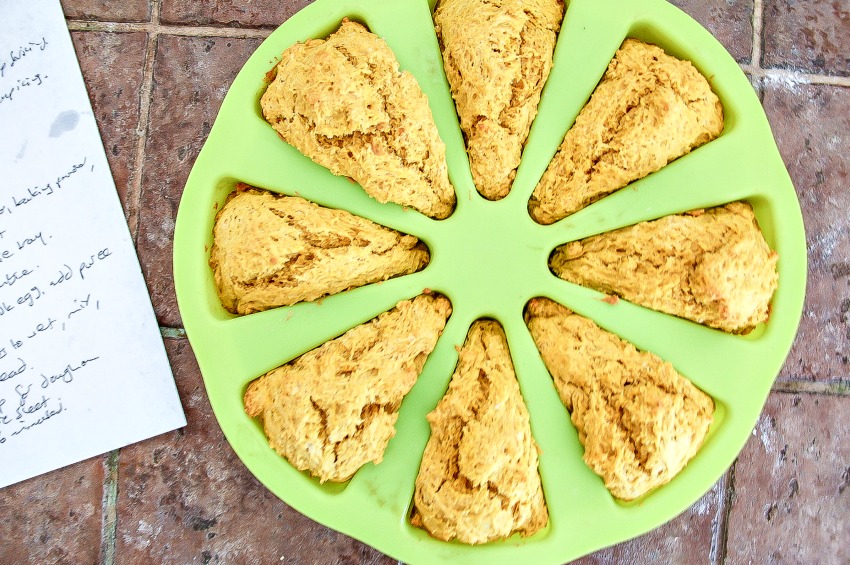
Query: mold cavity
<point x="675" y="111"/>
<point x="324" y="381"/>
<point x="615" y="392"/>
<point x="270" y="249"/>
<point x="464" y="459"/>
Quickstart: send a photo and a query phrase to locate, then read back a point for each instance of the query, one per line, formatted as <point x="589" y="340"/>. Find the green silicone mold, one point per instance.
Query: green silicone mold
<point x="490" y="258"/>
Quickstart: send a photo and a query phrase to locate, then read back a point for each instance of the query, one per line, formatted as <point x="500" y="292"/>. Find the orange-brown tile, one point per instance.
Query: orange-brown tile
<point x="792" y="484"/>
<point x="730" y="21"/>
<point x="55" y="517"/>
<point x="104" y="10"/>
<point x="812" y="36"/>
<point x="260" y="13"/>
<point x="113" y="67"/>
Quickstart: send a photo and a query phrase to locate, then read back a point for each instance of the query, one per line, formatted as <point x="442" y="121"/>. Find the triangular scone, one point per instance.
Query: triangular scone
<point x="639" y="420"/>
<point x="713" y="267"/>
<point x="333" y="409"/>
<point x="271" y="250"/>
<point x="649" y="109"/>
<point x="344" y="103"/>
<point x="478" y="480"/>
<point x="497" y="55"/>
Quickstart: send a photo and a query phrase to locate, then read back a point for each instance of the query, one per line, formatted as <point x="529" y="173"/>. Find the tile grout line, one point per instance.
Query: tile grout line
<point x="839" y="387"/>
<point x="716" y="551"/>
<point x="109" y="509"/>
<point x="155" y="28"/>
<point x="797" y="77"/>
<point x="758" y="24"/>
<point x="142" y="126"/>
<point x="720" y="543"/>
<point x="172" y="333"/>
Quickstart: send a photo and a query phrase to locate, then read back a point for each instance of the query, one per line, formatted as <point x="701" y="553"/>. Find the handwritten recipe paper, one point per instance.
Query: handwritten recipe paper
<point x="83" y="369"/>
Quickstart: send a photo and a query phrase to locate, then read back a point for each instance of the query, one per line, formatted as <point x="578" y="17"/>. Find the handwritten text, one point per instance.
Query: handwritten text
<point x="17" y="54"/>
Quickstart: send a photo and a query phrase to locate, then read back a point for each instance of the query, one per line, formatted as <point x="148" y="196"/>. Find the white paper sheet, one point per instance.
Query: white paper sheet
<point x="83" y="369"/>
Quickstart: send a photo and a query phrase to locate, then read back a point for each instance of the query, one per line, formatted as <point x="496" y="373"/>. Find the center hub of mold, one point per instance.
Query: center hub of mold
<point x="488" y="259"/>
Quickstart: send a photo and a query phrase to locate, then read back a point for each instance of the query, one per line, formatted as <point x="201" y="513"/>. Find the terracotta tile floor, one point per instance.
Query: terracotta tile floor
<point x="157" y="72"/>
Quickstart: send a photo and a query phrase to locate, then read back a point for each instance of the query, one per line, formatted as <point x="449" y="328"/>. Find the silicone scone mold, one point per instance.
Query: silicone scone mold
<point x="490" y="259"/>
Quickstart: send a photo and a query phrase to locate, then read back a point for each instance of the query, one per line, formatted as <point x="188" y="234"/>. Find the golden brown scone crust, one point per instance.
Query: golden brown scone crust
<point x="344" y="103"/>
<point x="649" y="109"/>
<point x="478" y="480"/>
<point x="271" y="250"/>
<point x="639" y="420"/>
<point x="333" y="409"/>
<point x="713" y="267"/>
<point x="497" y="55"/>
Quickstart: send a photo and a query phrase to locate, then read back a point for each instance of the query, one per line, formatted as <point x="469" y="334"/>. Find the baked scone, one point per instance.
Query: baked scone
<point x="271" y="250"/>
<point x="497" y="55"/>
<point x="649" y="109"/>
<point x="344" y="103"/>
<point x="478" y="480"/>
<point x="710" y="266"/>
<point x="640" y="421"/>
<point x="333" y="409"/>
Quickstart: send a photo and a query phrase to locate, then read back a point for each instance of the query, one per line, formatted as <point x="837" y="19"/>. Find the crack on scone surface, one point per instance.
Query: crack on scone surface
<point x="343" y="50"/>
<point x="323" y="420"/>
<point x="377" y="142"/>
<point x="327" y="240"/>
